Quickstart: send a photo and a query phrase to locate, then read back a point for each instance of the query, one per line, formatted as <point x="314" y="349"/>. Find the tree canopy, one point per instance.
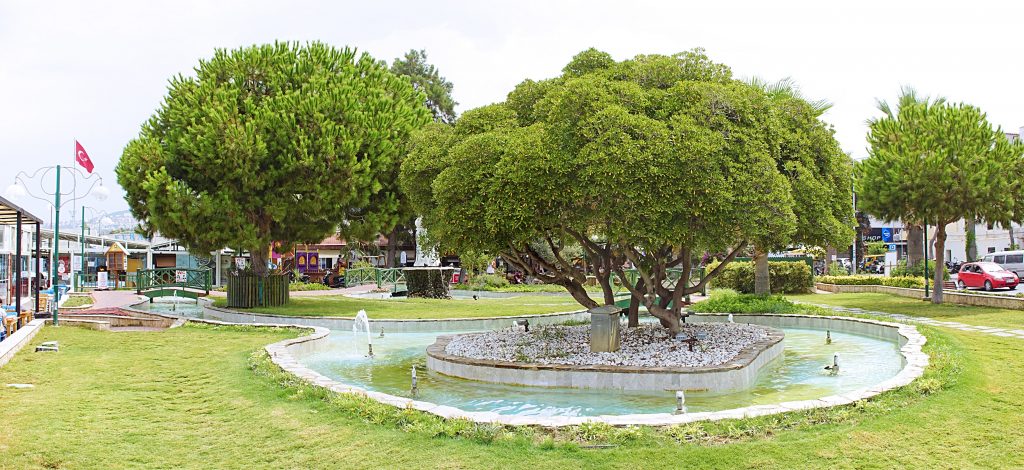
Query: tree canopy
<point x="650" y="161"/>
<point x="938" y="162"/>
<point x="276" y="142"/>
<point x="389" y="209"/>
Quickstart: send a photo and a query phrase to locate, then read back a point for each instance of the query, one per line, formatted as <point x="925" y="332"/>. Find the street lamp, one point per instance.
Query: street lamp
<point x="20" y="189"/>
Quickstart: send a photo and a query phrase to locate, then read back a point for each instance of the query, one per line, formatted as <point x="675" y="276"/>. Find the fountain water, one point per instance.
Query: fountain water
<point x="362" y="319"/>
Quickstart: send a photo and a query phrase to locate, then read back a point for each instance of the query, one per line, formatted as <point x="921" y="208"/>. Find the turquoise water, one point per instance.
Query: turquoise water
<point x="797" y="375"/>
<point x="187" y="308"/>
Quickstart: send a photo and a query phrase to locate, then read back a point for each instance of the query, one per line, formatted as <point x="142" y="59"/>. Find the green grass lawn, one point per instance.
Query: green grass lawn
<point x="197" y="397"/>
<point x="341" y="306"/>
<point x="77" y="301"/>
<point x="995" y="317"/>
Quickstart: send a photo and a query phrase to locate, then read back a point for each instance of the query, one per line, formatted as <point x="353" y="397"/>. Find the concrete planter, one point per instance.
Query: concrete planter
<point x="738" y="374"/>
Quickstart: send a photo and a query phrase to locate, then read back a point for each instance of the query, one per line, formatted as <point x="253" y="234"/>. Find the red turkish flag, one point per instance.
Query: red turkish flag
<point x="82" y="157"/>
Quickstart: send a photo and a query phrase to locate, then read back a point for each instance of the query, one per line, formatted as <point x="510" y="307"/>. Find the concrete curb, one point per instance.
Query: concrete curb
<point x="19" y="339"/>
<point x="911" y="342"/>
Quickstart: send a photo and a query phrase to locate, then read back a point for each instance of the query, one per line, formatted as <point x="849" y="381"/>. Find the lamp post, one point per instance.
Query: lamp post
<point x="19" y="188"/>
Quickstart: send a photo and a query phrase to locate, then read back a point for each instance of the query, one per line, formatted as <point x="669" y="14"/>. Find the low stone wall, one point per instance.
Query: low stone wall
<point x="738" y="374"/>
<point x="915" y="361"/>
<point x="978" y="300"/>
<point x="19" y="339"/>
<point x="393" y="326"/>
<point x="119" y="320"/>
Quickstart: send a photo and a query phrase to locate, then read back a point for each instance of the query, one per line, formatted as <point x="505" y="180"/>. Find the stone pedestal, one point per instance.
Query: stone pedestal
<point x="604" y="328"/>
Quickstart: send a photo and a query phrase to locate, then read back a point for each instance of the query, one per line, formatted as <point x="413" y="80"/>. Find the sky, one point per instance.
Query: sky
<point x="95" y="71"/>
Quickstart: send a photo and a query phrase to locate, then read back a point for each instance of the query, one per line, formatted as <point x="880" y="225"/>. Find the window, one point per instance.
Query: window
<point x="326" y="264"/>
<point x="991" y="249"/>
<point x="1014" y="259"/>
<point x="1000" y="259"/>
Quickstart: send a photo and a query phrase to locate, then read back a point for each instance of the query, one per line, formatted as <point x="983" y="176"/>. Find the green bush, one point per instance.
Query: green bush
<point x="488" y="282"/>
<point x="894" y="281"/>
<point x="877" y="248"/>
<point x="901" y="269"/>
<point x="730" y="301"/>
<point x="786" y="277"/>
<point x="836" y="269"/>
<point x="302" y="286"/>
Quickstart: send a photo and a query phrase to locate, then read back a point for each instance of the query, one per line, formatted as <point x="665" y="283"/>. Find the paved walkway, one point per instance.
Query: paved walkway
<point x="112" y="299"/>
<point x="988" y="330"/>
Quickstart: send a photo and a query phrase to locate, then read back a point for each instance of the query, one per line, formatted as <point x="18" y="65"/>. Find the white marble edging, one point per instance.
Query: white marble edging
<point x="19" y="339"/>
<point x="916" y="361"/>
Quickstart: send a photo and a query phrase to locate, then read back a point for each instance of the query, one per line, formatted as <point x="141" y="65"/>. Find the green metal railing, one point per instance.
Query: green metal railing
<point x="165" y="278"/>
<point x="89" y="281"/>
<point x="360" y="276"/>
<point x="379" y="277"/>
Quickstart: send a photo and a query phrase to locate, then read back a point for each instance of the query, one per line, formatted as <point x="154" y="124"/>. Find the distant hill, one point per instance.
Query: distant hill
<point x="113" y="222"/>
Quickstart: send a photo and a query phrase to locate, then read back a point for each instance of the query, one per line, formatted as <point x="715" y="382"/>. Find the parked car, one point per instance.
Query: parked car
<point x="986" y="275"/>
<point x="1011" y="260"/>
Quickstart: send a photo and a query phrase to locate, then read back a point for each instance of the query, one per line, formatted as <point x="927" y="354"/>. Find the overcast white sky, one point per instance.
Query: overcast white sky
<point x="96" y="70"/>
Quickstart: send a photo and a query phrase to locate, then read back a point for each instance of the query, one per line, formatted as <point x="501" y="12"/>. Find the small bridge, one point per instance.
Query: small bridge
<point x="393" y="278"/>
<point x="173" y="282"/>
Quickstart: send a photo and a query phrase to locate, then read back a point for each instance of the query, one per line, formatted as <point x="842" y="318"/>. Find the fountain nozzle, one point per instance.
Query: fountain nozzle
<point x="680" y="402"/>
<point x="828" y="337"/>
<point x="415" y="387"/>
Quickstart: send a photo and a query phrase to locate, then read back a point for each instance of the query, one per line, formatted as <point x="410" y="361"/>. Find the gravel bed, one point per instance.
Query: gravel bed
<point x="645" y="346"/>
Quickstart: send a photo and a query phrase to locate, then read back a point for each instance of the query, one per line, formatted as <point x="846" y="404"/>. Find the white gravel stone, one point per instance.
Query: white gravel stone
<point x="645" y="346"/>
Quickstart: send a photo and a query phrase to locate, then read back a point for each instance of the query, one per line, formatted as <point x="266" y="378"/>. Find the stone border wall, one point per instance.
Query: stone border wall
<point x="394" y="326"/>
<point x="910" y="340"/>
<point x="19" y="339"/>
<point x="737" y="374"/>
<point x="979" y="300"/>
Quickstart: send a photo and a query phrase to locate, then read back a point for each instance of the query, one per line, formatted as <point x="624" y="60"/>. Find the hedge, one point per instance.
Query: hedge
<point x="893" y="281"/>
<point x="787" y="277"/>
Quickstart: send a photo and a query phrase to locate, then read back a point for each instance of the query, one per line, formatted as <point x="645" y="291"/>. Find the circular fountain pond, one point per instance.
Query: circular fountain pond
<point x="869" y="357"/>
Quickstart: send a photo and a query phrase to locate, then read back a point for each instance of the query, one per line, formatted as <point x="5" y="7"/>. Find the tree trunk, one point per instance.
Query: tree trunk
<point x="667" y="318"/>
<point x="634" y="307"/>
<point x="762" y="278"/>
<point x="915" y="244"/>
<point x="971" y="242"/>
<point x="579" y="293"/>
<point x="259" y="260"/>
<point x="1013" y="243"/>
<point x="392" y="247"/>
<point x="940" y="262"/>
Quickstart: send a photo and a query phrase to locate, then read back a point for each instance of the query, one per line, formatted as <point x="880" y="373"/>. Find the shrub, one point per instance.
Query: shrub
<point x="836" y="269"/>
<point x="488" y="281"/>
<point x="431" y="283"/>
<point x="901" y="269"/>
<point x="894" y="281"/>
<point x="730" y="301"/>
<point x="787" y="277"/>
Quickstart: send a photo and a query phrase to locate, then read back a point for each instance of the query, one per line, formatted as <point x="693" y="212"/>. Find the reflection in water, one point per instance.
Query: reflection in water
<point x="798" y="375"/>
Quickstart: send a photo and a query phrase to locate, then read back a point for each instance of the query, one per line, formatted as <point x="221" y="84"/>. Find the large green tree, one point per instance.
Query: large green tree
<point x="938" y="162"/>
<point x="819" y="172"/>
<point x="276" y="142"/>
<point x="390" y="211"/>
<point x="648" y="162"/>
